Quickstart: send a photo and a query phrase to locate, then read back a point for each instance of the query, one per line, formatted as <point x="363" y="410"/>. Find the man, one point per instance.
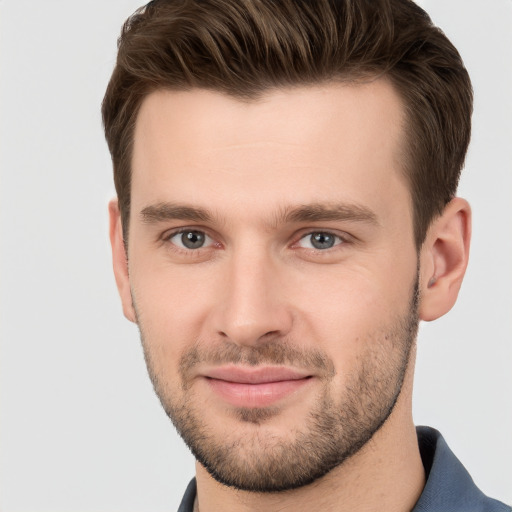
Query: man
<point x="286" y="214"/>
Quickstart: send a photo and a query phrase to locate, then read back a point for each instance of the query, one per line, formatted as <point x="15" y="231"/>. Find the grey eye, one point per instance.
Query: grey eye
<point x="319" y="240"/>
<point x="191" y="239"/>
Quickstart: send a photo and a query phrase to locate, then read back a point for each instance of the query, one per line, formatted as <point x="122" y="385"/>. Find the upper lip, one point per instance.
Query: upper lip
<point x="257" y="375"/>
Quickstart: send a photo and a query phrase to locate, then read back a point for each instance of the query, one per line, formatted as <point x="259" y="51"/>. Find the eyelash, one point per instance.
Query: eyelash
<point x="341" y="240"/>
<point x="167" y="237"/>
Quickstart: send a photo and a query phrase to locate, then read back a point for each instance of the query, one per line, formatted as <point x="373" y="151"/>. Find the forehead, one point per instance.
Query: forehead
<point x="289" y="146"/>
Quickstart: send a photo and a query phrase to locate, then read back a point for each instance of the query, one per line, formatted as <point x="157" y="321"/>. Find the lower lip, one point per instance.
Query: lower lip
<point x="255" y="395"/>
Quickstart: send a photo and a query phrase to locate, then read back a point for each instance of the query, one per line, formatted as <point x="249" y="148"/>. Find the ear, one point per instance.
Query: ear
<point x="443" y="259"/>
<point x="120" y="260"/>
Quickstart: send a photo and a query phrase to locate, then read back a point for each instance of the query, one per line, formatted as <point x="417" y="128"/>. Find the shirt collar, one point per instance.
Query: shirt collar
<point x="449" y="487"/>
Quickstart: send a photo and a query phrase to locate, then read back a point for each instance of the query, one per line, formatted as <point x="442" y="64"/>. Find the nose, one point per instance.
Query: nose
<point x="253" y="305"/>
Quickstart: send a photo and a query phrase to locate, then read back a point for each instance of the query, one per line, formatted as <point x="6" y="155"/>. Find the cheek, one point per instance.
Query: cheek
<point x="171" y="307"/>
<point x="353" y="312"/>
<point x="348" y="297"/>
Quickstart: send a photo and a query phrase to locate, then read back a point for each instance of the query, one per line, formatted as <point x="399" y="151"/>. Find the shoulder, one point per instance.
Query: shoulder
<point x="449" y="486"/>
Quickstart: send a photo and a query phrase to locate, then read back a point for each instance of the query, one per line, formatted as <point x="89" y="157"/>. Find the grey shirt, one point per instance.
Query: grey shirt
<point x="449" y="487"/>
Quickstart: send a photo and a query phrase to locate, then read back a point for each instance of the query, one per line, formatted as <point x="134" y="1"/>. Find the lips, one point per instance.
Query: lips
<point x="255" y="387"/>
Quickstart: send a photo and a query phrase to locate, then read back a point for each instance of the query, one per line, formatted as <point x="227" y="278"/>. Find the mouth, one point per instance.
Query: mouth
<point x="255" y="387"/>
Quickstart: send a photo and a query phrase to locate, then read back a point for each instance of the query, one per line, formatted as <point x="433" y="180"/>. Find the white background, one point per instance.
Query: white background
<point x="80" y="427"/>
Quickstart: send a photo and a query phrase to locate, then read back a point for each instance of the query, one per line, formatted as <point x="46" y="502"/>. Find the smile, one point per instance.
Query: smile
<point x="259" y="387"/>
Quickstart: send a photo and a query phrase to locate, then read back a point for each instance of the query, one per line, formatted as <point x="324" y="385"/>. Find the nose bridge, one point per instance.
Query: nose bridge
<point x="253" y="303"/>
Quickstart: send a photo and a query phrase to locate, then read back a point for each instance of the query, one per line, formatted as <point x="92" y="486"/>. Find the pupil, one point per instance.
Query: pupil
<point x="322" y="240"/>
<point x="192" y="239"/>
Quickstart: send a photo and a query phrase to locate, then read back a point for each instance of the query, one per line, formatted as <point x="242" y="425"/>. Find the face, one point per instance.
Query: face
<point x="273" y="274"/>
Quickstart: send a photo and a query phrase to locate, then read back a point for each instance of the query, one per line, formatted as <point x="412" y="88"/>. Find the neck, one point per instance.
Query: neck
<point x="386" y="474"/>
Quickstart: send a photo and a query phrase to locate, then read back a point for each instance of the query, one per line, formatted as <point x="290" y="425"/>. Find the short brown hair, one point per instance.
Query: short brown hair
<point x="246" y="47"/>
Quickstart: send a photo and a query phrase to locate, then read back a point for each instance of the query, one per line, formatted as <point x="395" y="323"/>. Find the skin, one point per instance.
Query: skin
<point x="258" y="281"/>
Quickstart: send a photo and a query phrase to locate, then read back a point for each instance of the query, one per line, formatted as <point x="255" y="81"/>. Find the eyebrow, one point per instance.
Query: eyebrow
<point x="320" y="212"/>
<point x="316" y="212"/>
<point x="169" y="211"/>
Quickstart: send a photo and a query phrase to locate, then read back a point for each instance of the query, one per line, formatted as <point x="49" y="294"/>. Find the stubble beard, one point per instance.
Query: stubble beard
<point x="335" y="429"/>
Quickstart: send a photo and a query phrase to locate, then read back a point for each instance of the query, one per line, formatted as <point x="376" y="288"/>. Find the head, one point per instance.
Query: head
<point x="286" y="215"/>
<point x="244" y="49"/>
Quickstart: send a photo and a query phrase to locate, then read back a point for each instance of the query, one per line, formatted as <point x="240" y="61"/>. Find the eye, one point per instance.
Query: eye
<point x="190" y="239"/>
<point x="319" y="240"/>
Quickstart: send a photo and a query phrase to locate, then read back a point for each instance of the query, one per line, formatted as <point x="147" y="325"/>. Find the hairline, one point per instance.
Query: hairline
<point x="406" y="160"/>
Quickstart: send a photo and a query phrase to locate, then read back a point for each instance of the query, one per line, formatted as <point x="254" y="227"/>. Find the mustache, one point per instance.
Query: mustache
<point x="276" y="352"/>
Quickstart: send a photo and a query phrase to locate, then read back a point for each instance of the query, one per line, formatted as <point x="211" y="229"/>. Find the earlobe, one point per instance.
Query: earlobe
<point x="443" y="260"/>
<point x="120" y="261"/>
